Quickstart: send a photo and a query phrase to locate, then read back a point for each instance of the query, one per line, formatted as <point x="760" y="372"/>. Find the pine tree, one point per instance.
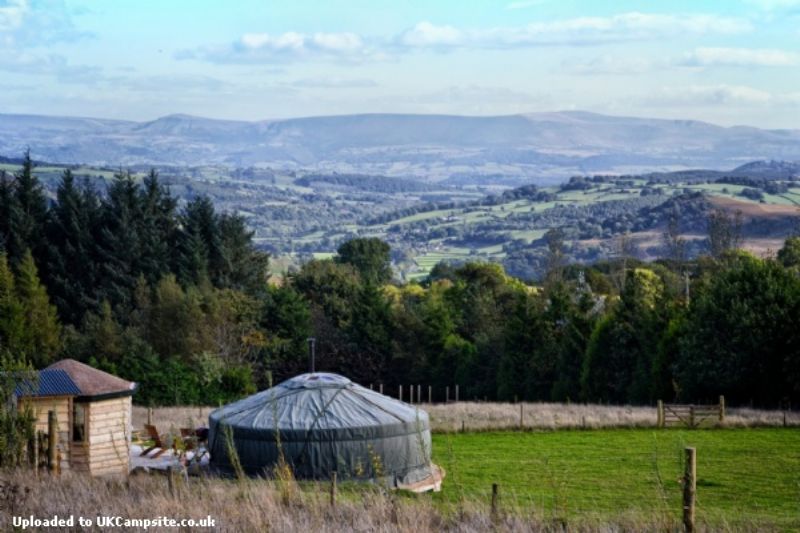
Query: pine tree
<point x="71" y="250"/>
<point x="157" y="228"/>
<point x="12" y="319"/>
<point x="9" y="213"/>
<point x="119" y="250"/>
<point x="201" y="257"/>
<point x="28" y="222"/>
<point x="42" y="338"/>
<point x="243" y="267"/>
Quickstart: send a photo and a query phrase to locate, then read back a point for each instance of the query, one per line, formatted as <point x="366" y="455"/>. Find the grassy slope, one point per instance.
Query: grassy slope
<point x="745" y="476"/>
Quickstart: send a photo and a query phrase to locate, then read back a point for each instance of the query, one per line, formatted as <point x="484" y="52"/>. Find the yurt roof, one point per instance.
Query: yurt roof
<point x="93" y="383"/>
<point x="318" y="401"/>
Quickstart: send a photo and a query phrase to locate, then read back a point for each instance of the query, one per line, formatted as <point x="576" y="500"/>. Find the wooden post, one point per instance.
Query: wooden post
<point x="171" y="481"/>
<point x="721" y="409"/>
<point x="456" y="392"/>
<point x="333" y="489"/>
<point x="495" y="489"/>
<point x="400" y="393"/>
<point x="430" y="394"/>
<point x="521" y="425"/>
<point x="36" y="439"/>
<point x="691" y="416"/>
<point x="689" y="489"/>
<point x="447" y="394"/>
<point x="380" y="388"/>
<point x="419" y="393"/>
<point x="371" y="387"/>
<point x="515" y="398"/>
<point x="660" y="416"/>
<point x="149" y="416"/>
<point x="52" y="440"/>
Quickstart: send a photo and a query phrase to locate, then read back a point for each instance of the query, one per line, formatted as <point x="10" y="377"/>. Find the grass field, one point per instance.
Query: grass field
<point x="747" y="478"/>
<point x="577" y="480"/>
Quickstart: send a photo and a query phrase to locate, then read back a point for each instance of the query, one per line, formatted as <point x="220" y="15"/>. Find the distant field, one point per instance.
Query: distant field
<point x="747" y="478"/>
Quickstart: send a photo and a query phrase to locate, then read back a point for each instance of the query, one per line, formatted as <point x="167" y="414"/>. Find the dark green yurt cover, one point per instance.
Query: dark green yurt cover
<point x="324" y="423"/>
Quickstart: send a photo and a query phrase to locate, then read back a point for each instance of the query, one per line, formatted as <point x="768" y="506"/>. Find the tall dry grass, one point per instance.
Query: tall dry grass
<point x="482" y="416"/>
<point x="259" y="506"/>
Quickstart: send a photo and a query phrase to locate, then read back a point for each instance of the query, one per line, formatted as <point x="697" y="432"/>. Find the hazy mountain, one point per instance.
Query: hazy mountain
<point x="430" y="146"/>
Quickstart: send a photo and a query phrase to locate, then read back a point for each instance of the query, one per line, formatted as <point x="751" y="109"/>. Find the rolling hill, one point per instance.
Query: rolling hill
<point x="507" y="150"/>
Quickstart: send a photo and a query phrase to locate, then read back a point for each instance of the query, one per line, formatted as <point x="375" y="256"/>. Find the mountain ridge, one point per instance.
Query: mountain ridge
<point x="546" y="145"/>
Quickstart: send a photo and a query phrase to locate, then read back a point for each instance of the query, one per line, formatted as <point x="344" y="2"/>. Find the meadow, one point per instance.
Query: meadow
<point x="618" y="474"/>
<point x="747" y="478"/>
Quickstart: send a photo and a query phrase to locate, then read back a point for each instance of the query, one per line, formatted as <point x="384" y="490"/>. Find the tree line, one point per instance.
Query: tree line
<point x="177" y="298"/>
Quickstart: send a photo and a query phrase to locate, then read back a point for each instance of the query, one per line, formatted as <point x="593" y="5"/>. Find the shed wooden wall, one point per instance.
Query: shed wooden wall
<point x="62" y="405"/>
<point x="109" y="431"/>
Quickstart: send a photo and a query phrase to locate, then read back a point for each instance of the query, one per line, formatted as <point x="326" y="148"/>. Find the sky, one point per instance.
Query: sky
<point x="729" y="62"/>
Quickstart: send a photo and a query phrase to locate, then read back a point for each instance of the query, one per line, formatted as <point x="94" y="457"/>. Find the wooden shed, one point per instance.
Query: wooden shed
<point x="99" y="419"/>
<point x="45" y="391"/>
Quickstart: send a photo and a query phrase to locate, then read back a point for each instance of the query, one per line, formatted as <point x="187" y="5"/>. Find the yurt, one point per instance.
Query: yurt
<point x="324" y="423"/>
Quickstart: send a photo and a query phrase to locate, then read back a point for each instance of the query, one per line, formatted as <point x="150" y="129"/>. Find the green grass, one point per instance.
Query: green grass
<point x="745" y="476"/>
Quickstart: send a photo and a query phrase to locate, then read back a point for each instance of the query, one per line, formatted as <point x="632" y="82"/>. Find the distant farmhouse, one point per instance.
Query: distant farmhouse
<point x="93" y="413"/>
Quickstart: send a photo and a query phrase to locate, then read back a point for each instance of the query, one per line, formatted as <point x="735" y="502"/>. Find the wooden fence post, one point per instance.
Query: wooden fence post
<point x="495" y="490"/>
<point x="36" y="440"/>
<point x="333" y="489"/>
<point x="691" y="417"/>
<point x="456" y="392"/>
<point x="419" y="393"/>
<point x="689" y="489"/>
<point x="171" y="481"/>
<point x="660" y="415"/>
<point x="722" y="409"/>
<point x="52" y="440"/>
<point x="447" y="394"/>
<point x="380" y="388"/>
<point x="149" y="416"/>
<point x="400" y="393"/>
<point x="521" y="425"/>
<point x="430" y="395"/>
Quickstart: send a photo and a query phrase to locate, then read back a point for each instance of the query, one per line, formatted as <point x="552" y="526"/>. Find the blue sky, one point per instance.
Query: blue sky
<point x="728" y="62"/>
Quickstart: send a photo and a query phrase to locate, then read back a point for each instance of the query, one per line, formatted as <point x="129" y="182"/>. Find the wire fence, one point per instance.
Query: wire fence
<point x="735" y="488"/>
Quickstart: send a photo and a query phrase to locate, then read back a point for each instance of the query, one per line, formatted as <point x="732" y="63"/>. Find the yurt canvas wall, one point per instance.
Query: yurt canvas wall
<point x="323" y="423"/>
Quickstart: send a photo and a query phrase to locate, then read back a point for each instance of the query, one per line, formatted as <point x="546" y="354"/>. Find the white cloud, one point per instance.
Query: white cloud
<point x="710" y="95"/>
<point x="523" y="4"/>
<point x="770" y="5"/>
<point x="25" y="24"/>
<point x="609" y="64"/>
<point x="12" y="14"/>
<point x="288" y="46"/>
<point x="334" y="83"/>
<point x="578" y="31"/>
<point x="425" y="35"/>
<point x="741" y="57"/>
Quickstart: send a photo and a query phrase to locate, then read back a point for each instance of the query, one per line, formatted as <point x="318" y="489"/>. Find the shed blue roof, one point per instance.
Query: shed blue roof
<point x="46" y="383"/>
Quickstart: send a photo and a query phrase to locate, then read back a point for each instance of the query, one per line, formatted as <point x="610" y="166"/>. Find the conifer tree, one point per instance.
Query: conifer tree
<point x="200" y="244"/>
<point x="42" y="333"/>
<point x="120" y="246"/>
<point x="243" y="268"/>
<point x="12" y="319"/>
<point x="30" y="216"/>
<point x="157" y="228"/>
<point x="71" y="263"/>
